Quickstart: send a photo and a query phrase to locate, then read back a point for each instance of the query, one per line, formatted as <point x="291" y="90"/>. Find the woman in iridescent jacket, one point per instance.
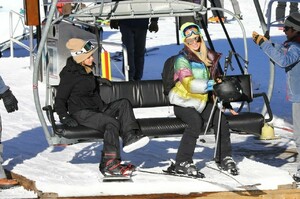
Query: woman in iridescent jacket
<point x="191" y="97"/>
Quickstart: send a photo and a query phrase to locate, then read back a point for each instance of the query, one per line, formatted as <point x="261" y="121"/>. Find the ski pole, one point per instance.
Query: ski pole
<point x="218" y="132"/>
<point x="209" y="120"/>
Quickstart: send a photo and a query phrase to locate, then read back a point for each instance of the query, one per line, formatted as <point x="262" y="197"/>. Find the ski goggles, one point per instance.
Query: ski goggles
<point x="88" y="46"/>
<point x="188" y="31"/>
<point x="190" y="41"/>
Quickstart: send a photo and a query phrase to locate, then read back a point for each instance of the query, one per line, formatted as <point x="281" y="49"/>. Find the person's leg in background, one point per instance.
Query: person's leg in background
<point x="236" y="9"/>
<point x="280" y="11"/>
<point x="293" y="7"/>
<point x="139" y="52"/>
<point x="128" y="41"/>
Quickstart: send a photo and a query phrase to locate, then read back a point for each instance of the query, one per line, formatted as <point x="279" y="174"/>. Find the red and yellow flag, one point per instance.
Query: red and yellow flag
<point x="106" y="68"/>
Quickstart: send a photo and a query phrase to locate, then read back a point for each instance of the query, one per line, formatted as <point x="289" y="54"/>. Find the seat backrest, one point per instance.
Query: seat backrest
<point x="237" y="89"/>
<point x="145" y="93"/>
<point x="246" y="84"/>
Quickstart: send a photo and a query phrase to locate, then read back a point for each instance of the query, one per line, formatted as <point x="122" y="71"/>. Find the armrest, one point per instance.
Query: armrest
<point x="49" y="111"/>
<point x="267" y="103"/>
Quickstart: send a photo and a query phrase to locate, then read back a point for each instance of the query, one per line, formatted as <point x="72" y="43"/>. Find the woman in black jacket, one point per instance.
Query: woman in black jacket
<point x="78" y="102"/>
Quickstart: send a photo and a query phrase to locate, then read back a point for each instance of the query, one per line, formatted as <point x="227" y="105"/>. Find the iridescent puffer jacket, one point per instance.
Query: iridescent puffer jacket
<point x="192" y="77"/>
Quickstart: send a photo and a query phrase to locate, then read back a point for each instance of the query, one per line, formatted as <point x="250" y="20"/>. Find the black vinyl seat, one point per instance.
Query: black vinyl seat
<point x="149" y="93"/>
<point x="249" y="122"/>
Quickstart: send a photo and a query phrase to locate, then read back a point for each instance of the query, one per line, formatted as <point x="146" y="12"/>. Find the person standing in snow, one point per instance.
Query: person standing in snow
<point x="11" y="105"/>
<point x="134" y="32"/>
<point x="193" y="71"/>
<point x="78" y="102"/>
<point x="287" y="56"/>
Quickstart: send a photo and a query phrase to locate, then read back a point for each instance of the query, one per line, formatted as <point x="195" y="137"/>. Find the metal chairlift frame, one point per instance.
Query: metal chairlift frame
<point x="185" y="9"/>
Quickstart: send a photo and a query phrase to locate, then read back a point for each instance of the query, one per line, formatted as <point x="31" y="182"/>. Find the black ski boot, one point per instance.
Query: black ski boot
<point x="229" y="165"/>
<point x="186" y="168"/>
<point x="111" y="166"/>
<point x="132" y="142"/>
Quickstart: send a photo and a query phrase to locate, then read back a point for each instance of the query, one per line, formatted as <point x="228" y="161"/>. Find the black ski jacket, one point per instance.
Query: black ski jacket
<point x="77" y="90"/>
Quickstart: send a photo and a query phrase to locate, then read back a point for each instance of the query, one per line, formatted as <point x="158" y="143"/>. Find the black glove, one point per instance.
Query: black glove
<point x="69" y="121"/>
<point x="258" y="39"/>
<point x="10" y="101"/>
<point x="104" y="81"/>
<point x="153" y="27"/>
<point x="114" y="24"/>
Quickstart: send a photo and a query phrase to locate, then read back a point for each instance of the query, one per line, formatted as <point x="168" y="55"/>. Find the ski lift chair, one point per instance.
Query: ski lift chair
<point x="247" y="121"/>
<point x="149" y="93"/>
<point x="238" y="88"/>
<point x="62" y="134"/>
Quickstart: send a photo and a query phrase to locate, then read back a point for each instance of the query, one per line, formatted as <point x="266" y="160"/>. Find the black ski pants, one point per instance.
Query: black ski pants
<point x="134" y="38"/>
<point x="195" y="122"/>
<point x="116" y="119"/>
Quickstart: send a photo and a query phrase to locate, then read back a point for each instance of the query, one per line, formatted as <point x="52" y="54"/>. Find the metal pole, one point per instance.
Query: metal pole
<point x="11" y="34"/>
<point x="36" y="72"/>
<point x="177" y="30"/>
<point x="31" y="46"/>
<point x="217" y="144"/>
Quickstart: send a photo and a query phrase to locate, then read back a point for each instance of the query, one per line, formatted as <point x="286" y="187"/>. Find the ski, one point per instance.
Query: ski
<point x="171" y="171"/>
<point x="165" y="172"/>
<point x="199" y="175"/>
<point x="226" y="173"/>
<point x="114" y="178"/>
<point x="218" y="168"/>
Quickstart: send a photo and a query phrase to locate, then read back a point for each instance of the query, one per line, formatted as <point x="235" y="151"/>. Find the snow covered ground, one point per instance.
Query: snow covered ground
<point x="73" y="170"/>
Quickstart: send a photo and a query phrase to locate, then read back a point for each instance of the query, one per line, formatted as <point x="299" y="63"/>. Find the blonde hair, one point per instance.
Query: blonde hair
<point x="87" y="68"/>
<point x="202" y="54"/>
